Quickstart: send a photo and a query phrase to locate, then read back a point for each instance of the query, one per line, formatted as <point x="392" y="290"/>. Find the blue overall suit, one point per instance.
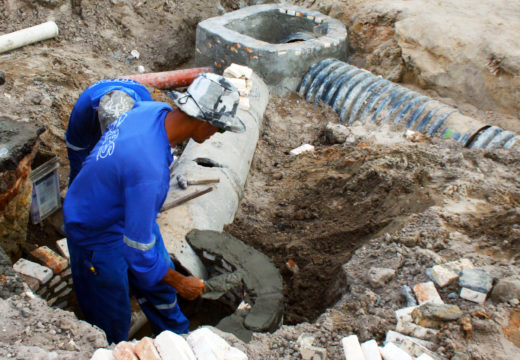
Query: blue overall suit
<point x="114" y="240"/>
<point x="83" y="131"/>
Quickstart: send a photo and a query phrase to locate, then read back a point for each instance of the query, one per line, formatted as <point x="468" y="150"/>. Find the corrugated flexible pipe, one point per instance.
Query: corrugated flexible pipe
<point x="356" y="94"/>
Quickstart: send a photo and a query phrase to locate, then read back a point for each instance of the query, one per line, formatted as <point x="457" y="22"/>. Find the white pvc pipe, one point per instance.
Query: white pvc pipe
<point x="28" y="36"/>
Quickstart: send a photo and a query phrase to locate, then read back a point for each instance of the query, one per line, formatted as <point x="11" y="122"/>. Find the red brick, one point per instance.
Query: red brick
<point x="146" y="350"/>
<point x="49" y="258"/>
<point x="33" y="283"/>
<point x="124" y="351"/>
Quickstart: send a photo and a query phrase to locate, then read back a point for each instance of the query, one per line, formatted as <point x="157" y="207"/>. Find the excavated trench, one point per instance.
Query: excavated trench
<point x="309" y="213"/>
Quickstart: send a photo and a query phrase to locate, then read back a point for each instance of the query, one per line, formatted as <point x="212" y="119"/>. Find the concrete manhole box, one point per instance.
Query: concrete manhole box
<point x="279" y="42"/>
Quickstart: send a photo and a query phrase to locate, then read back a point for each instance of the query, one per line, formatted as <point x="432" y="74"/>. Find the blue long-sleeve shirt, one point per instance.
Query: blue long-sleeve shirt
<point x="83" y="130"/>
<point x="115" y="199"/>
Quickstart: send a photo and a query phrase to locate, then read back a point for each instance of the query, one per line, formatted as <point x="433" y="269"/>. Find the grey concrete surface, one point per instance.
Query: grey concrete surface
<point x="232" y="155"/>
<point x="279" y="42"/>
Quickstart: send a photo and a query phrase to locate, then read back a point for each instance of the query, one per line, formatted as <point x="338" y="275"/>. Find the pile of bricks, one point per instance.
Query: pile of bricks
<point x="199" y="344"/>
<point x="48" y="274"/>
<point x="397" y="347"/>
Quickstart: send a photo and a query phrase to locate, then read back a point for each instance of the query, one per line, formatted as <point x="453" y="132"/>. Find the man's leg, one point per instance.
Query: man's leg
<point x="159" y="302"/>
<point x="101" y="285"/>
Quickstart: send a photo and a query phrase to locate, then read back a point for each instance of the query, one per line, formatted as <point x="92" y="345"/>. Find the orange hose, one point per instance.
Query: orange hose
<point x="169" y="79"/>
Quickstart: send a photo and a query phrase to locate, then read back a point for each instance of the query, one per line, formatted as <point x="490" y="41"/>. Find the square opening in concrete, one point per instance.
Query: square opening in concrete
<point x="279" y="42"/>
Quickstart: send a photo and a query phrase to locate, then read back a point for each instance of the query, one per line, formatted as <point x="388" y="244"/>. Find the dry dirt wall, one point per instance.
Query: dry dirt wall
<point x="462" y="49"/>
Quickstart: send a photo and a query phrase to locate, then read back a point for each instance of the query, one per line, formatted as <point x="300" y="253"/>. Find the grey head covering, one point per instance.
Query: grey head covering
<point x="111" y="106"/>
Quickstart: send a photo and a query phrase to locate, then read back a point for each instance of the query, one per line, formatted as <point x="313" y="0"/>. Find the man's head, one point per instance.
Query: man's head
<point x="213" y="99"/>
<point x="111" y="106"/>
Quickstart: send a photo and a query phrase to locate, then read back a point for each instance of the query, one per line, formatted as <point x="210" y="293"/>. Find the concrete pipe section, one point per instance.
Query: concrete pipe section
<point x="239" y="272"/>
<point x="279" y="42"/>
<point x="358" y="95"/>
<point x="225" y="156"/>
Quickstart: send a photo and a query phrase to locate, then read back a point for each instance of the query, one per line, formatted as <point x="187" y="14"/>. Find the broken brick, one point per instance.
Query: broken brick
<point x="49" y="258"/>
<point x="472" y="295"/>
<point x="146" y="350"/>
<point x="63" y="248"/>
<point x="33" y="283"/>
<point x="124" y="351"/>
<point x="427" y="293"/>
<point x="441" y="275"/>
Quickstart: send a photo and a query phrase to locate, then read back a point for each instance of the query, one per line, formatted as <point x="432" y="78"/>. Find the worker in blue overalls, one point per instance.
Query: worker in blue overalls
<point x="111" y="207"/>
<point x="88" y="120"/>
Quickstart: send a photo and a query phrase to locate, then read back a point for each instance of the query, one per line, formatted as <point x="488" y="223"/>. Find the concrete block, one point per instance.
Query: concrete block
<point x="55" y="280"/>
<point x="66" y="273"/>
<point x="244" y="103"/>
<point x="371" y="350"/>
<point x="476" y="279"/>
<point x="301" y="149"/>
<point x="49" y="258"/>
<point x="26" y="267"/>
<point x="427" y="293"/>
<point x="471" y="295"/>
<point x="33" y="283"/>
<point x="241" y="85"/>
<point x="65" y="292"/>
<point x="146" y="350"/>
<point x="124" y="351"/>
<point x="52" y="301"/>
<point x="352" y="348"/>
<point x="238" y="71"/>
<point x="173" y="347"/>
<point x="60" y="287"/>
<point x="405" y="324"/>
<point x="209" y="346"/>
<point x="102" y="354"/>
<point x="435" y="315"/>
<point x="62" y="304"/>
<point x="442" y="275"/>
<point x="63" y="248"/>
<point x="392" y="352"/>
<point x="43" y="291"/>
<point x="412" y="346"/>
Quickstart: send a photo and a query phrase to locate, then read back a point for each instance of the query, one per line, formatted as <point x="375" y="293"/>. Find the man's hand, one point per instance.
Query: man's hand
<point x="189" y="287"/>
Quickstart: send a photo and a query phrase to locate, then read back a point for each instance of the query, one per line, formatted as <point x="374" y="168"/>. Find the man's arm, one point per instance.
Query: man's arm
<point x="189" y="287"/>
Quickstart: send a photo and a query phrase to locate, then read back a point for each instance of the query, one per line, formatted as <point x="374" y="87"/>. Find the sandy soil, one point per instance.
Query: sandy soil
<point x="379" y="200"/>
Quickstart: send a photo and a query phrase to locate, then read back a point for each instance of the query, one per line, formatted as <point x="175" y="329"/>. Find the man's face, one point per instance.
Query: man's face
<point x="203" y="132"/>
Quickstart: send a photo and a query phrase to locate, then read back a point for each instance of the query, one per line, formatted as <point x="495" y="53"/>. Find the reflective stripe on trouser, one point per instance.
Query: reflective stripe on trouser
<point x="159" y="302"/>
<point x="101" y="282"/>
